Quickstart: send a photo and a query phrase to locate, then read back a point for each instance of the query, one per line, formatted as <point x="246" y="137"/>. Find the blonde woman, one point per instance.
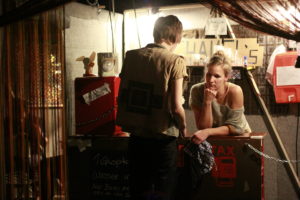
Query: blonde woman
<point x="218" y="105"/>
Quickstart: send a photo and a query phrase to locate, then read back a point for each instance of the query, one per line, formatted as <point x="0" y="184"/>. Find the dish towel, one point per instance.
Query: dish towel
<point x="201" y="154"/>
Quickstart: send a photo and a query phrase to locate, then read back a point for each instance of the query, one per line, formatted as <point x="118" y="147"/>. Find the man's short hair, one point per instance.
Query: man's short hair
<point x="167" y="28"/>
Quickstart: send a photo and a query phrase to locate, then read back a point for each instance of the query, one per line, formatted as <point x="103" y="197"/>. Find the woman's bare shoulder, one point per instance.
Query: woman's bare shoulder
<point x="235" y="89"/>
<point x="235" y="96"/>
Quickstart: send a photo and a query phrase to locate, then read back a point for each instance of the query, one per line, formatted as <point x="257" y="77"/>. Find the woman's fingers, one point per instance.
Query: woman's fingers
<point x="214" y="92"/>
<point x="210" y="94"/>
<point x="200" y="136"/>
<point x="195" y="139"/>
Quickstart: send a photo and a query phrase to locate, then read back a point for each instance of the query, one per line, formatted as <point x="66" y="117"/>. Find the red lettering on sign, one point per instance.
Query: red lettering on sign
<point x="223" y="150"/>
<point x="214" y="148"/>
<point x="224" y="171"/>
<point x="230" y="151"/>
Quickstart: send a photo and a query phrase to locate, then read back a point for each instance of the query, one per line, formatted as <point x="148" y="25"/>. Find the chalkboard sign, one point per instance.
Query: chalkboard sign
<point x="109" y="176"/>
<point x="100" y="170"/>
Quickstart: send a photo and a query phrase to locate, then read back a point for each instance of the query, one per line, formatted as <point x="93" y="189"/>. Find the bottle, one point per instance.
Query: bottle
<point x="245" y="61"/>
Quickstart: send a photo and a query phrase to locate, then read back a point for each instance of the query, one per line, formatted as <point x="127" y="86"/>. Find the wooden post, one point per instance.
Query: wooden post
<point x="274" y="134"/>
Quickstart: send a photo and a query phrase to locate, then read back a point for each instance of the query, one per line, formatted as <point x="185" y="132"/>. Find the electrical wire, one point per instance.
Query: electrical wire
<point x="111" y="27"/>
<point x="137" y="27"/>
<point x="297" y="136"/>
<point x="113" y="7"/>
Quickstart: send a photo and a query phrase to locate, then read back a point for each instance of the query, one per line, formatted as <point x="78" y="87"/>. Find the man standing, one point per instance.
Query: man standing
<point x="150" y="109"/>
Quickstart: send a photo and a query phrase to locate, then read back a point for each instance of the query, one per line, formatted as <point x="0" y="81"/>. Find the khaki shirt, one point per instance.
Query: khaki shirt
<point x="144" y="97"/>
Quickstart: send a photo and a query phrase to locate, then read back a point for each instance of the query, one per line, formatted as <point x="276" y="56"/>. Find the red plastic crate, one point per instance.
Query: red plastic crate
<point x="286" y="82"/>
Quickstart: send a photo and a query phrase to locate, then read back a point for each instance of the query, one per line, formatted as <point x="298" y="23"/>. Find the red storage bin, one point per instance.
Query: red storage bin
<point x="286" y="78"/>
<point x="96" y="105"/>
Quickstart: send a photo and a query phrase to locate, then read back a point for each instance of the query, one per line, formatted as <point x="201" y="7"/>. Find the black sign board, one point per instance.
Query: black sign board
<point x="109" y="176"/>
<point x="100" y="171"/>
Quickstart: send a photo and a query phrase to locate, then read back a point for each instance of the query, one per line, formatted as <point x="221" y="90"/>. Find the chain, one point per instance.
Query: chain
<point x="270" y="157"/>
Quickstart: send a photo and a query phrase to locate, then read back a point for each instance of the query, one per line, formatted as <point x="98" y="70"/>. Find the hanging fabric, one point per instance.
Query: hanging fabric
<point x="278" y="17"/>
<point x="33" y="109"/>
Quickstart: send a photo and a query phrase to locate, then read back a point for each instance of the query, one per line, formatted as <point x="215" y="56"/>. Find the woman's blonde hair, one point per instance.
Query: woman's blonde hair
<point x="219" y="58"/>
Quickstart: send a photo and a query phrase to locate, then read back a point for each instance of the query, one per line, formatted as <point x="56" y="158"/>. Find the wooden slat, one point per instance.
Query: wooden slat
<point x="62" y="121"/>
<point x="21" y="115"/>
<point x="10" y="116"/>
<point x="36" y="129"/>
<point x="46" y="41"/>
<point x="2" y="136"/>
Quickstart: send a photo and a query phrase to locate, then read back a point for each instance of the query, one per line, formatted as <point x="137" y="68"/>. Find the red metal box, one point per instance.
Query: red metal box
<point x="286" y="78"/>
<point x="96" y="105"/>
<point x="238" y="172"/>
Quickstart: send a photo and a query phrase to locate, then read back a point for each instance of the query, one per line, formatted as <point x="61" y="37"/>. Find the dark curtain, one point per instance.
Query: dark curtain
<point x="32" y="109"/>
<point x="275" y="17"/>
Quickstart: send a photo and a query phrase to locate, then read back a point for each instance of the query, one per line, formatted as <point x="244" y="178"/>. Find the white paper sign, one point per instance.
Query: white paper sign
<point x="216" y="26"/>
<point x="287" y="75"/>
<point x="96" y="93"/>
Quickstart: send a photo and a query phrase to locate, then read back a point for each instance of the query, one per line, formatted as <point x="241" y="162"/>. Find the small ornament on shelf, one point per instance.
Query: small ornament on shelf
<point x="88" y="64"/>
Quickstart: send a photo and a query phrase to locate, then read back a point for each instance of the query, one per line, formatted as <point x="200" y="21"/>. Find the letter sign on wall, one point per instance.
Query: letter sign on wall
<point x="198" y="51"/>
